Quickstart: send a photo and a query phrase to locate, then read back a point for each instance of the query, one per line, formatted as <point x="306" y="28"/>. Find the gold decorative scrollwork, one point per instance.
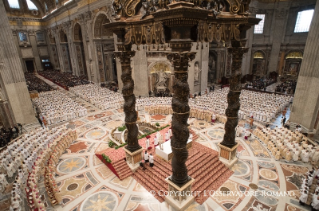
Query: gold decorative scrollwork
<point x="130" y="6"/>
<point x="234" y="6"/>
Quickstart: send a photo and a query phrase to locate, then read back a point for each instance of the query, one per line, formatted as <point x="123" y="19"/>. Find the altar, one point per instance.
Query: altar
<point x="166" y="153"/>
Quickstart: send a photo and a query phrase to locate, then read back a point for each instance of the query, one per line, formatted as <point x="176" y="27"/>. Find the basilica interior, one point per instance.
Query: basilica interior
<point x="154" y="105"/>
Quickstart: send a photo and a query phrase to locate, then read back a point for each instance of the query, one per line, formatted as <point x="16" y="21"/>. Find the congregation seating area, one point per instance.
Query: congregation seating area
<point x="288" y="145"/>
<point x="287" y="87"/>
<point x="65" y="80"/>
<point x="55" y="107"/>
<point x="101" y="97"/>
<point x="309" y="191"/>
<point x="36" y="84"/>
<point x="26" y="157"/>
<point x="260" y="84"/>
<point x="262" y="106"/>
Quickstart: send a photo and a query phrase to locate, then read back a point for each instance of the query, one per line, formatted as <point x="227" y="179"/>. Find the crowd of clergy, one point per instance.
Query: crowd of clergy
<point x="309" y="192"/>
<point x="262" y="106"/>
<point x="36" y="84"/>
<point x="65" y="80"/>
<point x="286" y="144"/>
<point x="101" y="97"/>
<point x="26" y="157"/>
<point x="55" y="107"/>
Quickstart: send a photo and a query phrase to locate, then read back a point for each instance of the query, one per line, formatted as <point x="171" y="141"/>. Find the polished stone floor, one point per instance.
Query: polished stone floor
<point x="86" y="184"/>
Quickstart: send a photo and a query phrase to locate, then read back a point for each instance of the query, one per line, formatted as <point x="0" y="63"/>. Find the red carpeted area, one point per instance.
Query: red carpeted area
<point x="203" y="165"/>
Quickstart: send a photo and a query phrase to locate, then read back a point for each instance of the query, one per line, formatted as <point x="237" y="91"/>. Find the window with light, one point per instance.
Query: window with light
<point x="259" y="29"/>
<point x="31" y="5"/>
<point x="303" y="22"/>
<point x="14" y="4"/>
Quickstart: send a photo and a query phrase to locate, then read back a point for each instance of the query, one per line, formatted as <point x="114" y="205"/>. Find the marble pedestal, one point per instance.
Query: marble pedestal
<point x="179" y="197"/>
<point x="228" y="155"/>
<point x="133" y="159"/>
<point x="118" y="135"/>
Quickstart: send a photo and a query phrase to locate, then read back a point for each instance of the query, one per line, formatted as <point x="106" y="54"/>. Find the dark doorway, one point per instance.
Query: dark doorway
<point x="30" y="66"/>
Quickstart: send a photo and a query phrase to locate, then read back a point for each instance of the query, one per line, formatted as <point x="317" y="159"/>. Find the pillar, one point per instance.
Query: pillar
<point x="133" y="150"/>
<point x="306" y="101"/>
<point x="228" y="146"/>
<point x="5" y="114"/>
<point x="280" y="18"/>
<point x="12" y="79"/>
<point x="33" y="42"/>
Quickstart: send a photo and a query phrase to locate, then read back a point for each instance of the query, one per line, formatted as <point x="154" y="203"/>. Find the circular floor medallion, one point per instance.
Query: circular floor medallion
<point x="216" y="133"/>
<point x="101" y="201"/>
<point x="95" y="134"/>
<point x="268" y="174"/>
<point x="71" y="164"/>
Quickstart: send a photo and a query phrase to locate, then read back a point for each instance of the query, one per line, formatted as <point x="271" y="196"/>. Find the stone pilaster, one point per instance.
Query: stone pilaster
<point x="12" y="79"/>
<point x="280" y="18"/>
<point x="33" y="42"/>
<point x="306" y="100"/>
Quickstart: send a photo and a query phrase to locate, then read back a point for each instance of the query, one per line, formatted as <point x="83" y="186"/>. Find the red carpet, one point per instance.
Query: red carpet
<point x="203" y="165"/>
<point x="118" y="165"/>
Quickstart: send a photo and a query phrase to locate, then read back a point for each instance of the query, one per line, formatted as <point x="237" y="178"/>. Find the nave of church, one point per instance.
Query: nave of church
<point x="159" y="105"/>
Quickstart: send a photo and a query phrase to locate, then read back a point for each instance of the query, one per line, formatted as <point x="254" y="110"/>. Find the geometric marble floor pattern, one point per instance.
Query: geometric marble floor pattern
<point x="88" y="185"/>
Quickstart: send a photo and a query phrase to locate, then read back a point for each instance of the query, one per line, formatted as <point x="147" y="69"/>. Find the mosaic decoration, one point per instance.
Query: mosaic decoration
<point x="216" y="133"/>
<point x="100" y="201"/>
<point x="71" y="165"/>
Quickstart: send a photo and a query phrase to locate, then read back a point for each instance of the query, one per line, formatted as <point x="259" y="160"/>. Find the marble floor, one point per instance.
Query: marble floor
<point x="86" y="184"/>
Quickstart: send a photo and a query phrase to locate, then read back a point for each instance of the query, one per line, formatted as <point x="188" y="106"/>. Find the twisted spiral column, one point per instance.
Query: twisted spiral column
<point x="180" y="116"/>
<point x="129" y="100"/>
<point x="233" y="96"/>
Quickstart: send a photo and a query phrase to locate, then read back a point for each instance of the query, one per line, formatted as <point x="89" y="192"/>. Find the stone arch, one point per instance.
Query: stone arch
<point x="79" y="50"/>
<point x="77" y="32"/>
<point x="259" y="63"/>
<point x="98" y="29"/>
<point x="63" y="37"/>
<point x="294" y="54"/>
<point x="293" y="60"/>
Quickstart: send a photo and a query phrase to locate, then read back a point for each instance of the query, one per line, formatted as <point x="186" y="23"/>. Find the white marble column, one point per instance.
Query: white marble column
<point x="306" y="101"/>
<point x="11" y="75"/>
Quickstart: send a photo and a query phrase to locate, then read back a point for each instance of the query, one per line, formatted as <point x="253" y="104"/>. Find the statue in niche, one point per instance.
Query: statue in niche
<point x="196" y="71"/>
<point x="161" y="79"/>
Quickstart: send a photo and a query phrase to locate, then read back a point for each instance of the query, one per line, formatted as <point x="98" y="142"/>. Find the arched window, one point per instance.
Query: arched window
<point x="14" y="4"/>
<point x="46" y="7"/>
<point x="31" y="5"/>
<point x="56" y="2"/>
